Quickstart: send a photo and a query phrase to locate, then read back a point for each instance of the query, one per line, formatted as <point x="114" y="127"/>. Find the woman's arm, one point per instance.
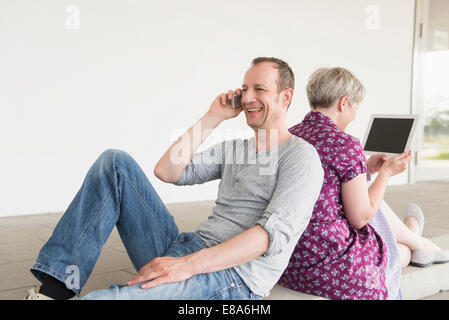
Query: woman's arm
<point x="361" y="203"/>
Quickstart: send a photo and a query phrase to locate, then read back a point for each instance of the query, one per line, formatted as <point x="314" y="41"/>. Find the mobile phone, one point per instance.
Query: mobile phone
<point x="236" y="102"/>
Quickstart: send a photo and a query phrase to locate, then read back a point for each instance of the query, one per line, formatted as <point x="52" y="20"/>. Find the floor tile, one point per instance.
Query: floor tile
<point x="20" y="251"/>
<point x="17" y="275"/>
<point x="24" y="233"/>
<point x="111" y="260"/>
<point x="49" y="219"/>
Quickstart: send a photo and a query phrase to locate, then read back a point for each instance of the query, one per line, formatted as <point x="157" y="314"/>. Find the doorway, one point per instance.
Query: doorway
<point x="431" y="90"/>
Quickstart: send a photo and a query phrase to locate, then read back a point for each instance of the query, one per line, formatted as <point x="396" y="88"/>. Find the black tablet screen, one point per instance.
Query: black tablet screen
<point x="388" y="135"/>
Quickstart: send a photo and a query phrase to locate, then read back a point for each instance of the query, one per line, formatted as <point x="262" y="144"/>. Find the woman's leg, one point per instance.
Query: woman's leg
<point x="407" y="234"/>
<point x="404" y="254"/>
<point x="403" y="234"/>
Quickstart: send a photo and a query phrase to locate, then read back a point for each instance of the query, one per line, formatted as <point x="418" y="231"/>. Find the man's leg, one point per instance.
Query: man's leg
<point x="114" y="192"/>
<point x="221" y="285"/>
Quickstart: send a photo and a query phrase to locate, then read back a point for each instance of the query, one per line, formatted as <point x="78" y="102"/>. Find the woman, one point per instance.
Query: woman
<point x="341" y="255"/>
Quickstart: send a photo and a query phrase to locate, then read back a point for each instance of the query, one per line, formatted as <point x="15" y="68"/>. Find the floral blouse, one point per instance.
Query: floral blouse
<point x="333" y="259"/>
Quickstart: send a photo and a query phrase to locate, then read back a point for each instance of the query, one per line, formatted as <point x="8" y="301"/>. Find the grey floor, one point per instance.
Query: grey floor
<point x="22" y="237"/>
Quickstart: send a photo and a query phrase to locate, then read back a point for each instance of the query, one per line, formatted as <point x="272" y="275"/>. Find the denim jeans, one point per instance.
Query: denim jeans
<point x="116" y="192"/>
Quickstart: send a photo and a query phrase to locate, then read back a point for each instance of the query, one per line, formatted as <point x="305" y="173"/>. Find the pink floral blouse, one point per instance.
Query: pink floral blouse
<point x="332" y="259"/>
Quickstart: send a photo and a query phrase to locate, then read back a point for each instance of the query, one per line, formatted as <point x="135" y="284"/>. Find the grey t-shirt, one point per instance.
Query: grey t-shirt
<point x="276" y="189"/>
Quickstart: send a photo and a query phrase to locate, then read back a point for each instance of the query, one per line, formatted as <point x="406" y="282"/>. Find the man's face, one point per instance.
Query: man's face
<point x="260" y="97"/>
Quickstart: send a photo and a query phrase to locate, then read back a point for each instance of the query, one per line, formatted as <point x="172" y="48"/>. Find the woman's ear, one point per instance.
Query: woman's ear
<point x="343" y="104"/>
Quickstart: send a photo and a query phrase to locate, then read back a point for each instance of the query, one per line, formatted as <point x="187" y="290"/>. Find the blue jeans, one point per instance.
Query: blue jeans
<point x="116" y="192"/>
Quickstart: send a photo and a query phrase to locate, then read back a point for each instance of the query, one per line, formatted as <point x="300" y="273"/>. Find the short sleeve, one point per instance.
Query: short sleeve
<point x="205" y="166"/>
<point x="350" y="162"/>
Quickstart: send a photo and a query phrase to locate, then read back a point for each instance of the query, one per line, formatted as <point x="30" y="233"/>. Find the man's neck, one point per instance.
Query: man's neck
<point x="270" y="138"/>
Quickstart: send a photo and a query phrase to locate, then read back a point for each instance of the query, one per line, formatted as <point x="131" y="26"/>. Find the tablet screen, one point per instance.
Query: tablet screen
<point x="389" y="135"/>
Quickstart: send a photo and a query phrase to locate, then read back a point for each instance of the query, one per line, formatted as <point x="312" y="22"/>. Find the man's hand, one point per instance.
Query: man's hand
<point x="169" y="168"/>
<point x="162" y="270"/>
<point x="221" y="107"/>
<point x="375" y="162"/>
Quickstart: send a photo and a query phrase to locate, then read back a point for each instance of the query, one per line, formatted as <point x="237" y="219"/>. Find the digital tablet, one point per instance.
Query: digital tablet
<point x="390" y="134"/>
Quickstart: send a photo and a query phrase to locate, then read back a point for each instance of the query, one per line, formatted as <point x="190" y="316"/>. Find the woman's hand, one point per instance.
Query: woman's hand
<point x="162" y="270"/>
<point x="375" y="162"/>
<point x="396" y="165"/>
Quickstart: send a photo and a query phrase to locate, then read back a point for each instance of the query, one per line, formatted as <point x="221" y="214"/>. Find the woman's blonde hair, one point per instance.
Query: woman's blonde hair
<point x="326" y="85"/>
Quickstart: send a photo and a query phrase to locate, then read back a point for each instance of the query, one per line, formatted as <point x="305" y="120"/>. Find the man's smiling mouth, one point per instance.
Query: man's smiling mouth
<point x="254" y="109"/>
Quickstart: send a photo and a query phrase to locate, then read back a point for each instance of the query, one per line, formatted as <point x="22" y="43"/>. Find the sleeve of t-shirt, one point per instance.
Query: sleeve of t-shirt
<point x="205" y="166"/>
<point x="350" y="162"/>
<point x="299" y="182"/>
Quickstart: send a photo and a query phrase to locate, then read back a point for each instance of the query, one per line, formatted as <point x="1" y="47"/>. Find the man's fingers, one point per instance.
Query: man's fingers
<point x="135" y="280"/>
<point x="142" y="278"/>
<point x="223" y="99"/>
<point x="226" y="98"/>
<point x="154" y="283"/>
<point x="230" y="94"/>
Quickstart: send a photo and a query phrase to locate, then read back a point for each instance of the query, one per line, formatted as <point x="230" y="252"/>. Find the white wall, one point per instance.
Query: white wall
<point x="137" y="71"/>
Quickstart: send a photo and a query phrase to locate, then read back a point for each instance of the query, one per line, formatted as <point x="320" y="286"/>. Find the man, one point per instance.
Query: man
<point x="240" y="251"/>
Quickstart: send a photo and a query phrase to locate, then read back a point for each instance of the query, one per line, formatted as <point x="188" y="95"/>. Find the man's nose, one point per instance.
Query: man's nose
<point x="248" y="97"/>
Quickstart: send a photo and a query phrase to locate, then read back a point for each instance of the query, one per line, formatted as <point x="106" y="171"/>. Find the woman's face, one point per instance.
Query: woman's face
<point x="350" y="113"/>
<point x="355" y="108"/>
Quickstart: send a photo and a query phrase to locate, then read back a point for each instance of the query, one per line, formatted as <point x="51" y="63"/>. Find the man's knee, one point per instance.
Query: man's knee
<point x="112" y="153"/>
<point x="111" y="157"/>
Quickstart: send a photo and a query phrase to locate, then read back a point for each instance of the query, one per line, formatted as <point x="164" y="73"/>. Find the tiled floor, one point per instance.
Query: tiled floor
<point x="433" y="198"/>
<point x="22" y="237"/>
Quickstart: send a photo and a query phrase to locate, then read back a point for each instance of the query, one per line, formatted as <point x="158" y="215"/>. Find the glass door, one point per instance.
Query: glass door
<point x="431" y="90"/>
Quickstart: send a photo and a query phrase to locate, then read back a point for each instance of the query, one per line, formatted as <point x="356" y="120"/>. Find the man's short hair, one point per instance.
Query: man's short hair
<point x="286" y="76"/>
<point x="326" y="85"/>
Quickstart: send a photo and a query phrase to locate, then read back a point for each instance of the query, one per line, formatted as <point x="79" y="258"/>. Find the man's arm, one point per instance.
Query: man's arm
<point x="235" y="251"/>
<point x="169" y="168"/>
<point x="286" y="216"/>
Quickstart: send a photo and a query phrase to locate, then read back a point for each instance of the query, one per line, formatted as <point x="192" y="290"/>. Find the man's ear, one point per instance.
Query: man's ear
<point x="343" y="103"/>
<point x="287" y="96"/>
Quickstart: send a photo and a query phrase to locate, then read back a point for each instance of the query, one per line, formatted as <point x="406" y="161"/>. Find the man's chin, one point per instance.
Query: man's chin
<point x="254" y="125"/>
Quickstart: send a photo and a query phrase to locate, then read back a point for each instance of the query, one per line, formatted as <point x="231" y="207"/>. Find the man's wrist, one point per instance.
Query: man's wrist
<point x="192" y="265"/>
<point x="212" y="119"/>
